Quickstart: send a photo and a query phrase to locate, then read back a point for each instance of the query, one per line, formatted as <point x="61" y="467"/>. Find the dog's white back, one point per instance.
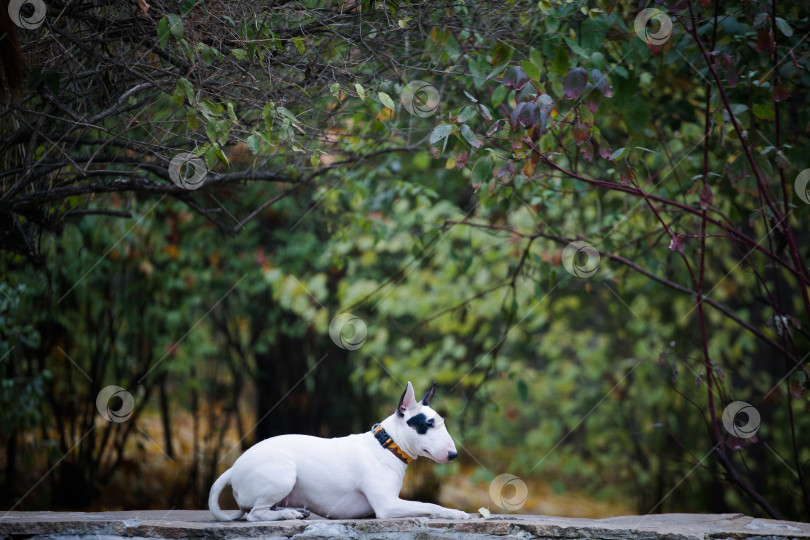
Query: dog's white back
<point x="347" y="477"/>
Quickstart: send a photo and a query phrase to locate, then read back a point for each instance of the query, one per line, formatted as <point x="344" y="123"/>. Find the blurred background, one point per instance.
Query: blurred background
<point x="587" y="221"/>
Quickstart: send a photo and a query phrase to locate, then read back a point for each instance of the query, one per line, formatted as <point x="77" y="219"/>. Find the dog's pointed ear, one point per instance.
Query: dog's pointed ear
<point x="428" y="397"/>
<point x="407" y="400"/>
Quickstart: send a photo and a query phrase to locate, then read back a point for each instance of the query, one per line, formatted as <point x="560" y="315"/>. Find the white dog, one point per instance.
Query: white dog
<point x="348" y="477"/>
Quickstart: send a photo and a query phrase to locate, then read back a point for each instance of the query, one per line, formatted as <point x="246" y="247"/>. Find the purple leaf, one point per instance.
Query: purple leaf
<point x="706" y="197"/>
<point x="587" y="151"/>
<point x="530" y="115"/>
<point x="676" y="243"/>
<point x="574" y="83"/>
<point x="601" y="83"/>
<point x="764" y="40"/>
<point x="732" y="75"/>
<point x="461" y="160"/>
<point x="513" y="118"/>
<point x="507" y="169"/>
<point x="726" y="62"/>
<point x="515" y="78"/>
<point x="592" y="100"/>
<point x="580" y="132"/>
<point x="627" y="175"/>
<point x="527" y="94"/>
<point x="780" y="93"/>
<point x="545" y="102"/>
<point x="796" y="389"/>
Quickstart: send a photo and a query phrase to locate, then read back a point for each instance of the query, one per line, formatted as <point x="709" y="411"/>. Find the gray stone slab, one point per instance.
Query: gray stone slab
<point x="199" y="524"/>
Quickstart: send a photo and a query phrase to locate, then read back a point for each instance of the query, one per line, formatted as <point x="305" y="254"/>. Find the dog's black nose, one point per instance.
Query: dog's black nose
<point x="451" y="455"/>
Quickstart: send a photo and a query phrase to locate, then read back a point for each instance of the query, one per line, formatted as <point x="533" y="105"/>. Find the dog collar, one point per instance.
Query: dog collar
<point x="386" y="441"/>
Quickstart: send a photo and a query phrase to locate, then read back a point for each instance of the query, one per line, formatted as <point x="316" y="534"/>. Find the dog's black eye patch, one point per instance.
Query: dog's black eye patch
<point x="420" y="423"/>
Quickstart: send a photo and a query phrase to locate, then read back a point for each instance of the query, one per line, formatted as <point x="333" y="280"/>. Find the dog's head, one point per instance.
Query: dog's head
<point x="423" y="428"/>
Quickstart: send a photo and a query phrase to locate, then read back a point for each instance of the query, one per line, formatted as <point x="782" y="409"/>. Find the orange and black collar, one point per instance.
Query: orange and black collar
<point x="387" y="442"/>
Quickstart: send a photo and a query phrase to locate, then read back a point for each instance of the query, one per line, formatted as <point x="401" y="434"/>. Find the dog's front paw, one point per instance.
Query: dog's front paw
<point x="292" y="514"/>
<point x="449" y="513"/>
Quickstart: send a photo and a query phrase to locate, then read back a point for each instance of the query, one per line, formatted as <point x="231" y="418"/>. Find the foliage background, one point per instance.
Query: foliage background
<point x="444" y="233"/>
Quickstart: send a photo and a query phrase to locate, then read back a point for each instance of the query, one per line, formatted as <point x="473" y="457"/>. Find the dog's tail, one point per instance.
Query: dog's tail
<point x="213" y="499"/>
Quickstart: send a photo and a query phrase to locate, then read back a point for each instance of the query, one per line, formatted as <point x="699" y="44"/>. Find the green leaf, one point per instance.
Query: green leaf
<point x="207" y="54"/>
<point x="192" y="120"/>
<point x="334" y="89"/>
<point x="498" y="96"/>
<point x="254" y="143"/>
<point x="175" y="25"/>
<point x="361" y="92"/>
<point x="764" y="112"/>
<point x="782" y="160"/>
<point x="186" y="6"/>
<point x="574" y="49"/>
<point x="232" y="113"/>
<point x="592" y="33"/>
<point x="218" y="130"/>
<point x="269" y="114"/>
<point x="523" y="390"/>
<point x="209" y="108"/>
<point x="286" y="112"/>
<point x="760" y="19"/>
<point x="299" y="44"/>
<point x="240" y="54"/>
<point x="501" y="53"/>
<point x="163" y="32"/>
<point x="736" y="109"/>
<point x="386" y="100"/>
<point x="210" y="154"/>
<point x="465" y="114"/>
<point x="535" y="58"/>
<point x="315" y="159"/>
<point x="482" y="172"/>
<point x="783" y="26"/>
<point x="497" y="71"/>
<point x="220" y="155"/>
<point x="637" y="116"/>
<point x="470" y="137"/>
<point x="531" y="70"/>
<point x="440" y="132"/>
<point x="184" y="86"/>
<point x="560" y="64"/>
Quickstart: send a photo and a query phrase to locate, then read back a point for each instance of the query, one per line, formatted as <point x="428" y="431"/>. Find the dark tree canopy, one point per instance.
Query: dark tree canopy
<point x="585" y="220"/>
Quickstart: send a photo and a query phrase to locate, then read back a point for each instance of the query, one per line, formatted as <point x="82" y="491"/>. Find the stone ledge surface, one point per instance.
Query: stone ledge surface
<point x="199" y="524"/>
